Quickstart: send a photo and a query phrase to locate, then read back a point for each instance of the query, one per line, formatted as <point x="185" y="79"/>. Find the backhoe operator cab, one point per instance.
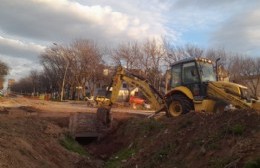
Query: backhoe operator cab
<point x="194" y="73"/>
<point x="188" y="85"/>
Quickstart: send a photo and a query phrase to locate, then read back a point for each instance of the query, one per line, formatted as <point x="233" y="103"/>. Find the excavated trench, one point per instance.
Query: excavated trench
<point x="84" y="141"/>
<point x="101" y="145"/>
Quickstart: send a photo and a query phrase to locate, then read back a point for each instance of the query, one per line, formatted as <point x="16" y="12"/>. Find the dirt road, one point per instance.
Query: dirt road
<point x="52" y="108"/>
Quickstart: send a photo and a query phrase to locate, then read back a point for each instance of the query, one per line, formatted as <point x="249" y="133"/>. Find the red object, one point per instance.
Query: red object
<point x="136" y="100"/>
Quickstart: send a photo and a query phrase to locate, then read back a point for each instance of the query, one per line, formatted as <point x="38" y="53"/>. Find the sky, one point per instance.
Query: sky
<point x="27" y="27"/>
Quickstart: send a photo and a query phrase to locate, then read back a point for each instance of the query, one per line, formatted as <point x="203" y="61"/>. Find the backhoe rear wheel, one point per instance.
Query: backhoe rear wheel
<point x="179" y="104"/>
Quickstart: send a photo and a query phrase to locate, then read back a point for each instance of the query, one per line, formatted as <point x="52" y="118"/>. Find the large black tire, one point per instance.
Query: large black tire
<point x="179" y="104"/>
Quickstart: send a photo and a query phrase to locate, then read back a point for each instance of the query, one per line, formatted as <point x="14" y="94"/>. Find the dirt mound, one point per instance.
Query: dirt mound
<point x="35" y="142"/>
<point x="32" y="135"/>
<point x="229" y="139"/>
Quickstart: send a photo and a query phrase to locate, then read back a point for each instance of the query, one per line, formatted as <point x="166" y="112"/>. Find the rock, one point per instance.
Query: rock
<point x="203" y="150"/>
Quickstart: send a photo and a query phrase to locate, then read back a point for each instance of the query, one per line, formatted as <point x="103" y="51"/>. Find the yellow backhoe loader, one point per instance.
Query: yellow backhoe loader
<point x="193" y="87"/>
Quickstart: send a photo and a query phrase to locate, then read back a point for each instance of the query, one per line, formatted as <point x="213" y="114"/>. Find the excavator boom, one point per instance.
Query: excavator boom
<point x="156" y="100"/>
<point x="220" y="93"/>
<point x="231" y="93"/>
<point x="152" y="95"/>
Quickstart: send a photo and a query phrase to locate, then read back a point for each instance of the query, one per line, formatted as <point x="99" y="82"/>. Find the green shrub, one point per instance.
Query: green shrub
<point x="161" y="155"/>
<point x="219" y="162"/>
<point x="151" y="125"/>
<point x="70" y="144"/>
<point x="237" y="129"/>
<point x="116" y="160"/>
<point x="253" y="163"/>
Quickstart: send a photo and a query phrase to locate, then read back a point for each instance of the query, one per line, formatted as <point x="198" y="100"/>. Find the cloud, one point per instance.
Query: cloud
<point x="230" y="5"/>
<point x="233" y="25"/>
<point x="240" y="33"/>
<point x="63" y="20"/>
<point x="29" y="25"/>
<point x="16" y="48"/>
<point x="19" y="67"/>
<point x="21" y="57"/>
<point x="204" y="14"/>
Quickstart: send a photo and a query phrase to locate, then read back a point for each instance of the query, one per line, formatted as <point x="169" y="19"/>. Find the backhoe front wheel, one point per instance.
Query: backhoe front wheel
<point x="179" y="104"/>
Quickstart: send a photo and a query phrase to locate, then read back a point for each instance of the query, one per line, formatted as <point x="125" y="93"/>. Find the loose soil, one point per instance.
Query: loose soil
<point x="31" y="132"/>
<point x="30" y="139"/>
<point x="227" y="139"/>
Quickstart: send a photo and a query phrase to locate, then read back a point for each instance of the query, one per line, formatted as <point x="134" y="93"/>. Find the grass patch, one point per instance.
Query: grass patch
<point x="117" y="159"/>
<point x="141" y="128"/>
<point x="253" y="163"/>
<point x="198" y="142"/>
<point x="219" y="162"/>
<point x="164" y="152"/>
<point x="151" y="125"/>
<point x="213" y="141"/>
<point x="237" y="129"/>
<point x="70" y="144"/>
<point x="213" y="146"/>
<point x="162" y="155"/>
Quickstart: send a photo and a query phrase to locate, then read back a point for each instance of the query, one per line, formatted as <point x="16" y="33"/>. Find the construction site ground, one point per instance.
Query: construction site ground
<point x="35" y="133"/>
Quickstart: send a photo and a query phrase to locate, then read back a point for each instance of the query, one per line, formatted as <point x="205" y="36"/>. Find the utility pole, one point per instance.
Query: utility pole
<point x="63" y="82"/>
<point x="65" y="73"/>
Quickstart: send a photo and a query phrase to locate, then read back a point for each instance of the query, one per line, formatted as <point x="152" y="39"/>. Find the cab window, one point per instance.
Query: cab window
<point x="176" y="76"/>
<point x="190" y="73"/>
<point x="207" y="72"/>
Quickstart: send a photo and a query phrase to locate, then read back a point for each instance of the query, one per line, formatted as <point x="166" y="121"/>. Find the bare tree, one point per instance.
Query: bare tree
<point x="128" y="54"/>
<point x="246" y="71"/>
<point x="172" y="53"/>
<point x="193" y="51"/>
<point x="35" y="80"/>
<point x="152" y="61"/>
<point x="55" y="63"/>
<point x="175" y="53"/>
<point x="214" y="54"/>
<point x="23" y="86"/>
<point x="87" y="67"/>
<point x="73" y="68"/>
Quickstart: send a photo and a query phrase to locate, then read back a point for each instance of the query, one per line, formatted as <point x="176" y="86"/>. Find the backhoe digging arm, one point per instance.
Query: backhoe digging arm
<point x="153" y="96"/>
<point x="219" y="93"/>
